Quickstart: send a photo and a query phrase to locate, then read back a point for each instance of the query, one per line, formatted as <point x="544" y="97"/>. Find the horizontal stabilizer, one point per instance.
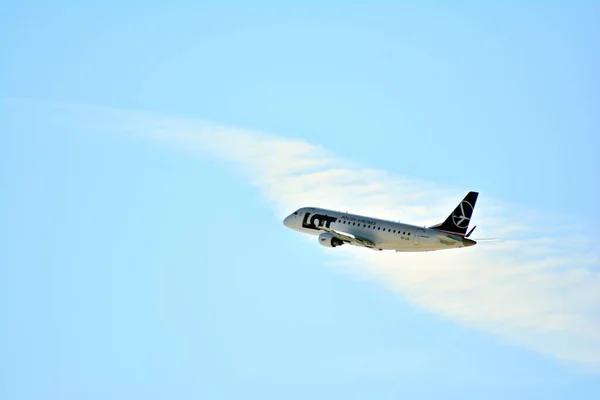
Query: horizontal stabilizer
<point x="471" y="231"/>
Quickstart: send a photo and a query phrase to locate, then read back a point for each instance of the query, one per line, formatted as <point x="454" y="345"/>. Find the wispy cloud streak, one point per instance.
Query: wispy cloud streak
<point x="533" y="288"/>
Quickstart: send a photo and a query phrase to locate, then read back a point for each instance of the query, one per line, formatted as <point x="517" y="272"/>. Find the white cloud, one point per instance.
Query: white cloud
<point x="537" y="290"/>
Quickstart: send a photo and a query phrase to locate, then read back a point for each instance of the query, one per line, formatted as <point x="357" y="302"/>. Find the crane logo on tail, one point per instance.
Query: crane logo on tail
<point x="459" y="217"/>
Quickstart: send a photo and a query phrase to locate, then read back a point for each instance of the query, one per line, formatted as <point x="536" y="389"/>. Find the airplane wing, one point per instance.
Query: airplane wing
<point x="350" y="238"/>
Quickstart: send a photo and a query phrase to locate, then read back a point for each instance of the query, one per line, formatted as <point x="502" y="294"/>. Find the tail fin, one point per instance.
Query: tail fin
<point x="458" y="222"/>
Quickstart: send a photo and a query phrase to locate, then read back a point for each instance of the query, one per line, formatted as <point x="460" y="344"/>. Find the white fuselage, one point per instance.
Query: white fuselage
<point x="386" y="235"/>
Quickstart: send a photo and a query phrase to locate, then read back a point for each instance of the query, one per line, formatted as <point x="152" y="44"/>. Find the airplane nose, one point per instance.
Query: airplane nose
<point x="289" y="221"/>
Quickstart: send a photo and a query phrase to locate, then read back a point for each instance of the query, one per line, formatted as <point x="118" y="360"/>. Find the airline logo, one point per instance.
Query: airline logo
<point x="459" y="217"/>
<point x="315" y="221"/>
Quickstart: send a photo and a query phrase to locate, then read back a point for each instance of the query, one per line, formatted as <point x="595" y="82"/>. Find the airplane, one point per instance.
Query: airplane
<point x="336" y="228"/>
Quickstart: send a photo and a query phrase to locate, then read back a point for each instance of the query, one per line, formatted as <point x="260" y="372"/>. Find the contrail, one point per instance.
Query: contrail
<point x="533" y="288"/>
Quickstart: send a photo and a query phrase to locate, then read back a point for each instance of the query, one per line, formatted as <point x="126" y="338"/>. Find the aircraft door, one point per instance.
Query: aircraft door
<point x="418" y="234"/>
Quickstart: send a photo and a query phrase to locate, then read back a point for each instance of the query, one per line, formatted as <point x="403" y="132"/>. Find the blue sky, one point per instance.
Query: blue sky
<point x="143" y="255"/>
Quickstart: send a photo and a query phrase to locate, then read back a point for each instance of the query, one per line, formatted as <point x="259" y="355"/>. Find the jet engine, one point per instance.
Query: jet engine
<point x="328" y="240"/>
